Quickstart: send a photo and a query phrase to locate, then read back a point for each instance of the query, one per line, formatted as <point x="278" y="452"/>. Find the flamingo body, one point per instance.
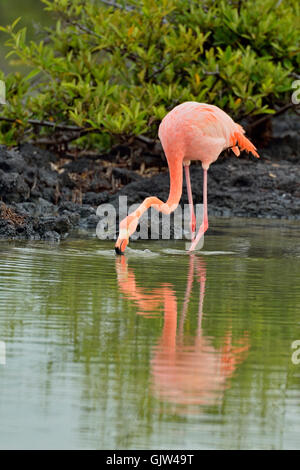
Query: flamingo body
<point x="197" y="131"/>
<point x="191" y="131"/>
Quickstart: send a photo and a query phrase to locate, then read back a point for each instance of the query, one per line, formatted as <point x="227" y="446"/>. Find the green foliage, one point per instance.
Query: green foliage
<point x="114" y="72"/>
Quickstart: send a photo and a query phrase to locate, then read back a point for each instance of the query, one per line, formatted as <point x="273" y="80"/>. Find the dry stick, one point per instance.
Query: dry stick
<point x="86" y="30"/>
<point x="146" y="140"/>
<point x="142" y="138"/>
<point x="35" y="122"/>
<point x="127" y="8"/>
<point x="161" y="69"/>
<point x="117" y="5"/>
<point x="79" y="130"/>
<point x="295" y="75"/>
<point x="267" y="116"/>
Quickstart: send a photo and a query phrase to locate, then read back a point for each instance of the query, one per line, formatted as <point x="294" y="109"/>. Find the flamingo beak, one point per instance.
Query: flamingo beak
<point x="120" y="246"/>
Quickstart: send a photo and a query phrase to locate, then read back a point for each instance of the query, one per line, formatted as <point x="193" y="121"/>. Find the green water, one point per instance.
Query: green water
<point x="32" y="16"/>
<point x="158" y="349"/>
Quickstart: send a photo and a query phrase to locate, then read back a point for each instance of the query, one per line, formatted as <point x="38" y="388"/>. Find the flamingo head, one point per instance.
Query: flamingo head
<point x="127" y="227"/>
<point x="120" y="245"/>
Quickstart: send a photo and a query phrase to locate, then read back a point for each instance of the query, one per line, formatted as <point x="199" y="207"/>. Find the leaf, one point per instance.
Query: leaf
<point x="15" y="22"/>
<point x="130" y="30"/>
<point x="197" y="79"/>
<point x="32" y="74"/>
<point x="132" y="68"/>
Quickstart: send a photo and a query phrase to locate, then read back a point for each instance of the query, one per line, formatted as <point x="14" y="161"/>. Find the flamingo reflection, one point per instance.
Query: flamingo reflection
<point x="186" y="369"/>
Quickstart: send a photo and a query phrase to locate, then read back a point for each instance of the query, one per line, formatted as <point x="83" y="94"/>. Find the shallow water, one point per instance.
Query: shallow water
<point x="156" y="349"/>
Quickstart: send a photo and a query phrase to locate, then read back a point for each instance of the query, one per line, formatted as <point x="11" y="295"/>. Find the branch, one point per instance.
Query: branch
<point x="117" y="5"/>
<point x="75" y="129"/>
<point x="161" y="69"/>
<point x="56" y="141"/>
<point x="35" y="122"/>
<point x="145" y="140"/>
<point x="267" y="116"/>
<point x="85" y="29"/>
<point x="216" y="72"/>
<point x="295" y="75"/>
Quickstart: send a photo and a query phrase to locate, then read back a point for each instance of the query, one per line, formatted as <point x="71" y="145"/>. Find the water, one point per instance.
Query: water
<point x="33" y="17"/>
<point x="155" y="350"/>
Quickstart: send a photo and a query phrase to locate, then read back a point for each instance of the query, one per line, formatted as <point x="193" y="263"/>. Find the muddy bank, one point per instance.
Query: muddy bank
<point x="44" y="196"/>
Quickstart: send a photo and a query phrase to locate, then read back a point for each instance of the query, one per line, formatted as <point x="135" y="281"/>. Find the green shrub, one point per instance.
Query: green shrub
<point x="106" y="73"/>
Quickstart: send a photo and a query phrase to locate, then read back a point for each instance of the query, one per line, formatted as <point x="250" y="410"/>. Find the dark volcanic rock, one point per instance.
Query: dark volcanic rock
<point x="125" y="176"/>
<point x="36" y="157"/>
<point x="236" y="187"/>
<point x="94" y="199"/>
<point x="11" y="161"/>
<point x="60" y="224"/>
<point x="7" y="229"/>
<point x="13" y="188"/>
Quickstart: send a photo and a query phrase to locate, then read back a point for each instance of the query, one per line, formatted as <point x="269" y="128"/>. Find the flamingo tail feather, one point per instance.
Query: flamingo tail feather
<point x="243" y="142"/>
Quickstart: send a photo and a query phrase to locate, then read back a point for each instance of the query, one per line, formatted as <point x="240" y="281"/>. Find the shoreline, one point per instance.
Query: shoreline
<point x="45" y="197"/>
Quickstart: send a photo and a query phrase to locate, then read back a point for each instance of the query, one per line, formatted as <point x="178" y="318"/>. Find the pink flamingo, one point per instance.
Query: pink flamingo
<point x="191" y="131"/>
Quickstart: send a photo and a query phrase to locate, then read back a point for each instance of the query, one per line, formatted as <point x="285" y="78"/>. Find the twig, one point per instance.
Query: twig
<point x="267" y="116"/>
<point x="35" y="122"/>
<point x="75" y="129"/>
<point x="117" y="5"/>
<point x="161" y="69"/>
<point x="86" y="30"/>
<point x="295" y="75"/>
<point x="216" y="72"/>
<point x="145" y="140"/>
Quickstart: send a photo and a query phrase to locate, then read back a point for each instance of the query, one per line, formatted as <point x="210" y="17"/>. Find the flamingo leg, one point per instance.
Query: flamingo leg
<point x="190" y="197"/>
<point x="130" y="223"/>
<point x="204" y="225"/>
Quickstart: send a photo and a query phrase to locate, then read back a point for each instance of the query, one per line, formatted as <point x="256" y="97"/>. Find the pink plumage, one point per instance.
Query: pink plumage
<point x="191" y="131"/>
<point x="201" y="132"/>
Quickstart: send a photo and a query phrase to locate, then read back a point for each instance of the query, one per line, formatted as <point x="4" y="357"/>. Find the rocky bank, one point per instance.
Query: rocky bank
<point x="45" y="197"/>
